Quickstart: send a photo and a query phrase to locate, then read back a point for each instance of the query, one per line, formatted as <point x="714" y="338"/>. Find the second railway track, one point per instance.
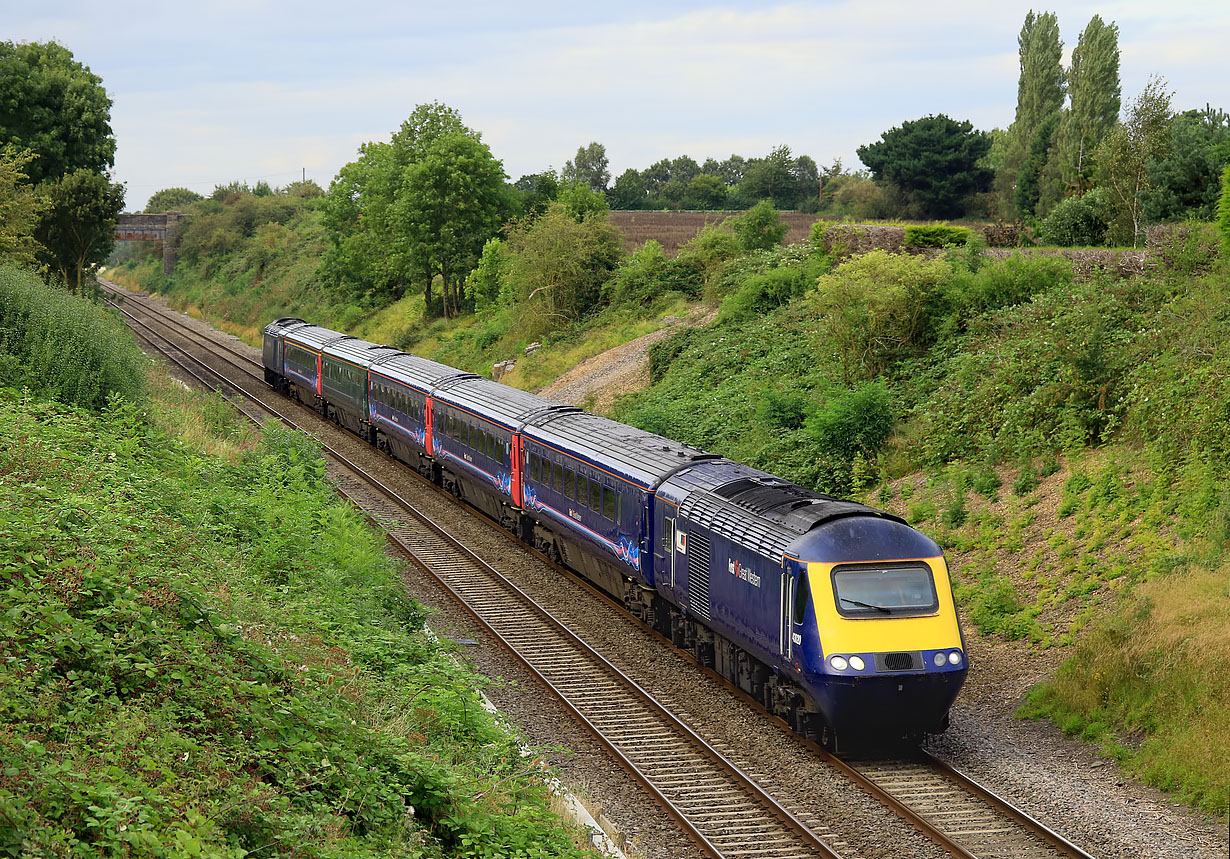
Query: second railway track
<point x="719" y="804"/>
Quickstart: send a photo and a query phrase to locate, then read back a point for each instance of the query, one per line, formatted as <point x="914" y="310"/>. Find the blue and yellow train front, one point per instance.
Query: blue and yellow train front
<point x="882" y="651"/>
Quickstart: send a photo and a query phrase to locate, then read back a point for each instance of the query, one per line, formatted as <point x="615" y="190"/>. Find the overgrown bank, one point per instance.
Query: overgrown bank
<point x="208" y="654"/>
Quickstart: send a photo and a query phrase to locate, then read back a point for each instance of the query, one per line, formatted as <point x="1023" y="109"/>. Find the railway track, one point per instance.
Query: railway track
<point x="715" y="799"/>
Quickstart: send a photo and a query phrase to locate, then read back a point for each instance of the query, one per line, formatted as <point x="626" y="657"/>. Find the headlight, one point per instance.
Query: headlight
<point x="838" y="662"/>
<point x="954" y="658"/>
<point x="939" y="660"/>
<point x="857" y="663"/>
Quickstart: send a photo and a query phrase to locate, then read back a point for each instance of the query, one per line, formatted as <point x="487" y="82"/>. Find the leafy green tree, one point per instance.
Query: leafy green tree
<point x="630" y="191"/>
<point x="416" y="208"/>
<point x="537" y="190"/>
<point x="581" y="202"/>
<point x="171" y="200"/>
<point x="706" y="191"/>
<point x="1185" y="182"/>
<point x="934" y="159"/>
<point x="79" y="228"/>
<point x="485" y="284"/>
<point x="1124" y="156"/>
<point x="557" y="264"/>
<point x="1093" y="87"/>
<point x="589" y="166"/>
<point x="1031" y="177"/>
<point x="770" y="178"/>
<point x="451" y="201"/>
<point x="21" y="207"/>
<point x="760" y="227"/>
<point x="55" y="107"/>
<point x="1040" y="95"/>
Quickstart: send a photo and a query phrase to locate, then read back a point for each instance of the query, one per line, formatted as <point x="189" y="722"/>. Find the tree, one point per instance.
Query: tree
<point x="706" y="191"/>
<point x="171" y="200"/>
<point x="934" y="160"/>
<point x="451" y="201"/>
<point x="55" y="107"/>
<point x="1123" y="158"/>
<point x="630" y="191"/>
<point x="1040" y="95"/>
<point x="557" y="264"/>
<point x="537" y="190"/>
<point x="770" y="178"/>
<point x="589" y="166"/>
<point x="78" y="230"/>
<point x="1185" y="182"/>
<point x="1093" y="86"/>
<point x="21" y="206"/>
<point x="1031" y="176"/>
<point x="1223" y="212"/>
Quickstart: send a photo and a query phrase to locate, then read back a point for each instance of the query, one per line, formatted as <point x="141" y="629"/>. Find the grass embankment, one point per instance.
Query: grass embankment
<point x="207" y="653"/>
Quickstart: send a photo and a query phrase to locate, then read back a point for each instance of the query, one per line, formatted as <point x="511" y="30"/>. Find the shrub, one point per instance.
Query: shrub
<point x="1077" y="222"/>
<point x="935" y="235"/>
<point x="873" y="309"/>
<point x="761" y="293"/>
<point x="648" y="275"/>
<point x="64" y="346"/>
<point x="854" y="422"/>
<point x="1004" y="282"/>
<point x="760" y="227"/>
<point x="783" y="410"/>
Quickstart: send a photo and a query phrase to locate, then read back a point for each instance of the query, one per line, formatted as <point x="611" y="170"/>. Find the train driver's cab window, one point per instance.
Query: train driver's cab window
<point x="888" y="590"/>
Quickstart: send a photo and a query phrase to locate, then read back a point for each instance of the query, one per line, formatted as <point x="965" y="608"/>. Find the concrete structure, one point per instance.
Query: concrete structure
<point x="151" y="228"/>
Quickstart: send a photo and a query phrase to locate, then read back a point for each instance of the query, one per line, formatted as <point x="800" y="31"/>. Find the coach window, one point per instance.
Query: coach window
<point x="535" y="466"/>
<point x="608" y="502"/>
<point x="570" y="483"/>
<point x="595" y="495"/>
<point x="557" y="477"/>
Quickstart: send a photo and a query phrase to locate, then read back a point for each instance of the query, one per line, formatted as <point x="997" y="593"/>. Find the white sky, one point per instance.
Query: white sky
<point x="209" y="92"/>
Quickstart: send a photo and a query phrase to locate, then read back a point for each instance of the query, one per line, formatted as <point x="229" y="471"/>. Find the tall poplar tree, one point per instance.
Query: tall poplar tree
<point x="1093" y="84"/>
<point x="1040" y="96"/>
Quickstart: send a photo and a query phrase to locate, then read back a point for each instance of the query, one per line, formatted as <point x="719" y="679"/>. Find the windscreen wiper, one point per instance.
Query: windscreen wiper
<point x="868" y="605"/>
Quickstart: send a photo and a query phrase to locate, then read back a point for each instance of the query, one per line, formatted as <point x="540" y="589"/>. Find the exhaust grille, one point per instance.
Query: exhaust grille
<point x="898" y="661"/>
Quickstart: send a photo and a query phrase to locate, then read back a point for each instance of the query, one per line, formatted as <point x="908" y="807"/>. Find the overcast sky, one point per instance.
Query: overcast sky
<point x="209" y="92"/>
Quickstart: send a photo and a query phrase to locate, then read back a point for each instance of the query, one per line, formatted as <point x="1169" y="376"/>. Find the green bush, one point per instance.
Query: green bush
<point x="647" y="275"/>
<point x="1185" y="247"/>
<point x="760" y="293"/>
<point x="1002" y="283"/>
<point x="854" y="422"/>
<point x="1076" y="222"/>
<point x="875" y="308"/>
<point x="783" y="410"/>
<point x="935" y="235"/>
<point x="64" y="346"/>
<point x="760" y="227"/>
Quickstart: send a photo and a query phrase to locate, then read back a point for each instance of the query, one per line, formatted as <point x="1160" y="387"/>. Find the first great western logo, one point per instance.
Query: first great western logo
<point x="740" y="571"/>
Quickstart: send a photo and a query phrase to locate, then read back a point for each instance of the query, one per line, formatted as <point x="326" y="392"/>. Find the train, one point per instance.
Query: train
<point x="836" y="616"/>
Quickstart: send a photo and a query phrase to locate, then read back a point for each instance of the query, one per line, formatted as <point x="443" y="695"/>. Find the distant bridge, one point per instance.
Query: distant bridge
<point x="151" y="228"/>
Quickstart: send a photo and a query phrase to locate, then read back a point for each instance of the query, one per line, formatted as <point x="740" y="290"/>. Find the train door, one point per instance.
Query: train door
<point x="429" y="422"/>
<point x="668" y="548"/>
<point x="785" y="626"/>
<point x="514" y="460"/>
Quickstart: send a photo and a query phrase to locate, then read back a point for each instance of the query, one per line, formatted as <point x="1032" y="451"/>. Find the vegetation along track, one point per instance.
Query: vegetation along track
<point x="720" y="807"/>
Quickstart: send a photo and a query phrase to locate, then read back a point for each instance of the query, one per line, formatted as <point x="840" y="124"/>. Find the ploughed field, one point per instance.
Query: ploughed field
<point x="675" y="229"/>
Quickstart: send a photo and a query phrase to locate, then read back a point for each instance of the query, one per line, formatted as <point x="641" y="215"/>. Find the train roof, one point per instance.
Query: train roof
<point x="640" y="456"/>
<point x="361" y="352"/>
<point x="312" y="336"/>
<point x="756" y="509"/>
<point x="420" y="373"/>
<point x="509" y="406"/>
